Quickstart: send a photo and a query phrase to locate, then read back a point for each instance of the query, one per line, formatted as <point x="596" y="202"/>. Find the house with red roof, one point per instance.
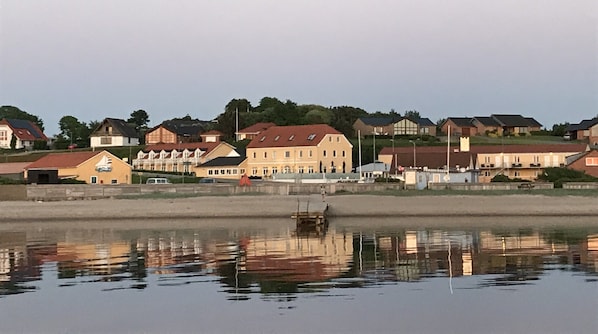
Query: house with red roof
<point x="24" y="132"/>
<point x="586" y="162"/>
<point x="97" y="167"/>
<point x="314" y="148"/>
<point x="253" y="131"/>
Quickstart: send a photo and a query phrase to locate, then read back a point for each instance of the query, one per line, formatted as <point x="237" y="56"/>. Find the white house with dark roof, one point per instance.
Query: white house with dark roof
<point x="114" y="132"/>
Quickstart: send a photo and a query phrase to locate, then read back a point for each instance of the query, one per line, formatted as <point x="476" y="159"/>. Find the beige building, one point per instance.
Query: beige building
<point x="525" y="162"/>
<point x="100" y="167"/>
<point x="179" y="158"/>
<point x="231" y="168"/>
<point x="315" y="148"/>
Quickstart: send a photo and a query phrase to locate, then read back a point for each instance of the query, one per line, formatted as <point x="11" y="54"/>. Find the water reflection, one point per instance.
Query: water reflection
<point x="286" y="264"/>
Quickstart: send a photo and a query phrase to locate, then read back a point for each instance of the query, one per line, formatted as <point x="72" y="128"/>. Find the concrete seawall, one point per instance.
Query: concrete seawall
<point x="355" y="206"/>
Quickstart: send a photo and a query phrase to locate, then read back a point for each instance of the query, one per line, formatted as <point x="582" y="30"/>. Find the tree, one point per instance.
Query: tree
<point x="16" y="113"/>
<point x="76" y="132"/>
<point x="559" y="130"/>
<point x="412" y="114"/>
<point x="343" y="118"/>
<point x="13" y="142"/>
<point x="439" y="125"/>
<point x="139" y="118"/>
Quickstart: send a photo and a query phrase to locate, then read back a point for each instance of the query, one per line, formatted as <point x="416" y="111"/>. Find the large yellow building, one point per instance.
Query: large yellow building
<point x="314" y="148"/>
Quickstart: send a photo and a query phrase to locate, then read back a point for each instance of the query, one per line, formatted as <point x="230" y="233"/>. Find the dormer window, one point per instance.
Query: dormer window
<point x="263" y="138"/>
<point x="276" y="138"/>
<point x="311" y="136"/>
<point x="291" y="137"/>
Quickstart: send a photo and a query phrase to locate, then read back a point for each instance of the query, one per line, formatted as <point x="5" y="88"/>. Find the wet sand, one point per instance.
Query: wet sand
<point x="211" y="208"/>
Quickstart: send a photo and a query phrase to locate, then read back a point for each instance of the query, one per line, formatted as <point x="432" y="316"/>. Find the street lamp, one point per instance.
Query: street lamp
<point x="414" y="156"/>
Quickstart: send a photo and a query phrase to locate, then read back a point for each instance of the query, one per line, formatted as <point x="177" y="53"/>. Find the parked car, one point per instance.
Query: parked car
<point x="207" y="180"/>
<point x="157" y="180"/>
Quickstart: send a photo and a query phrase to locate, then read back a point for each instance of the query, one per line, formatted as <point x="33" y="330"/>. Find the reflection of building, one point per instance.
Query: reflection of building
<point x="92" y="259"/>
<point x="300" y="259"/>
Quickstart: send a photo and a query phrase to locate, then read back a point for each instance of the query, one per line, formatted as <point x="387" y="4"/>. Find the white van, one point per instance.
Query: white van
<point x="157" y="180"/>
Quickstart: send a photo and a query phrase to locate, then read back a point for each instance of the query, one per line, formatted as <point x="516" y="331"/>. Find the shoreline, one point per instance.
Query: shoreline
<point x="340" y="206"/>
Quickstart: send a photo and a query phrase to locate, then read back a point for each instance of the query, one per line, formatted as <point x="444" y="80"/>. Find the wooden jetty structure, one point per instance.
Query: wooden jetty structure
<point x="310" y="213"/>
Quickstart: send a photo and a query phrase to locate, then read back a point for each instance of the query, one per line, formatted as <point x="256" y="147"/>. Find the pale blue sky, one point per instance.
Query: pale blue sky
<point x="96" y="59"/>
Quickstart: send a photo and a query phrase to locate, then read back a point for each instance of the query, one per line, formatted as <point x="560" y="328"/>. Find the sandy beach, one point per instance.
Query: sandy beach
<point x="349" y="206"/>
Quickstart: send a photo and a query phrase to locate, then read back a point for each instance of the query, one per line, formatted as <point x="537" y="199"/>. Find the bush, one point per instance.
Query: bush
<point x="560" y="175"/>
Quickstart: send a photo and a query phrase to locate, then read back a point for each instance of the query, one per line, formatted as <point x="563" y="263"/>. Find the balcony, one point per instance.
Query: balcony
<point x="535" y="165"/>
<point x="516" y="165"/>
<point x="487" y="166"/>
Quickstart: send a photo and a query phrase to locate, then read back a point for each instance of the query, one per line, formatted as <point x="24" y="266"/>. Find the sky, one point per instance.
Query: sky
<point x="107" y="58"/>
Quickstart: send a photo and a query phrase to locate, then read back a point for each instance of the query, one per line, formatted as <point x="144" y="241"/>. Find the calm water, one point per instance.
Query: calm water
<point x="353" y="277"/>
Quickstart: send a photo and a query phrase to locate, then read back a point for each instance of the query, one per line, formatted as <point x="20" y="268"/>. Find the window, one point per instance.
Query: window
<point x="254" y="155"/>
<point x="175" y="168"/>
<point x="242" y="170"/>
<point x="3" y="135"/>
<point x="338" y="139"/>
<point x="113" y="181"/>
<point x="265" y="155"/>
<point x="324" y="153"/>
<point x="311" y="136"/>
<point x="334" y="153"/>
<point x="301" y="170"/>
<point x="210" y="172"/>
<point x="254" y="171"/>
<point x="276" y="138"/>
<point x="517" y="174"/>
<point x="93" y="180"/>
<point x="216" y="172"/>
<point x="265" y="171"/>
<point x="329" y="138"/>
<point x="343" y="153"/>
<point x="487" y="173"/>
<point x="287" y="154"/>
<point x="287" y="169"/>
<point x="310" y="153"/>
<point x="591" y="161"/>
<point x="300" y="154"/>
<point x="106" y="140"/>
<point x="310" y="169"/>
<point x="274" y="170"/>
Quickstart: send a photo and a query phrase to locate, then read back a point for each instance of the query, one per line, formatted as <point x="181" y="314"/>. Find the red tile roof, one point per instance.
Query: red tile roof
<point x="257" y="128"/>
<point x="293" y="135"/>
<point x="24" y="129"/>
<point x="63" y="160"/>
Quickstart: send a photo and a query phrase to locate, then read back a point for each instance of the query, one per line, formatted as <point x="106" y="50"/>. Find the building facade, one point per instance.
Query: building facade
<point x="315" y="148"/>
<point x="99" y="167"/>
<point x="114" y="132"/>
<point x="22" y="133"/>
